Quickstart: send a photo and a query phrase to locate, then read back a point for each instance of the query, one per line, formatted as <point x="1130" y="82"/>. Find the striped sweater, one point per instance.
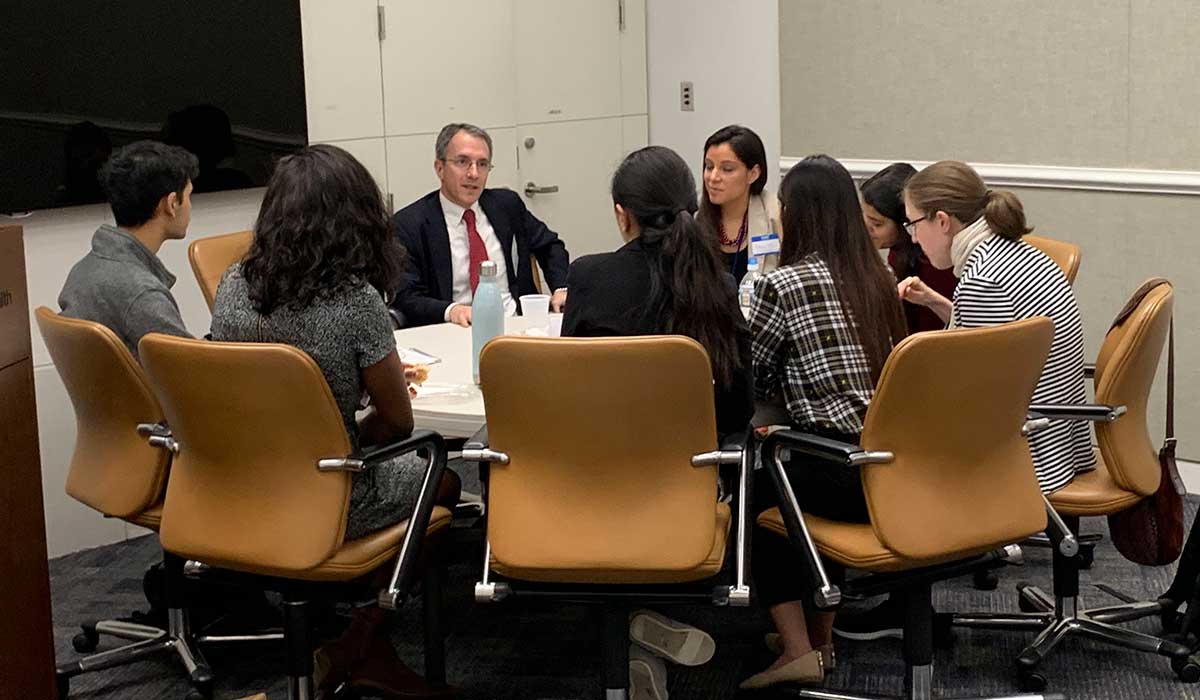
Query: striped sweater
<point x="1005" y="280"/>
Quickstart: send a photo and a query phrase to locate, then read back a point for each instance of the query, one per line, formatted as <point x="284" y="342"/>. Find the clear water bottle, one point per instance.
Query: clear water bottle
<point x="746" y="288"/>
<point x="487" y="313"/>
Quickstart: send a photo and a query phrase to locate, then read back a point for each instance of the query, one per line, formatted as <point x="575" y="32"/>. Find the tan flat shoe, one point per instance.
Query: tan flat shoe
<point x="774" y="643"/>
<point x="805" y="670"/>
<point x="671" y="639"/>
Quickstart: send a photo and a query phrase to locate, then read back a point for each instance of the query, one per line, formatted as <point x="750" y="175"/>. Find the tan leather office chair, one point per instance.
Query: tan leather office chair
<point x="115" y="471"/>
<point x="260" y="480"/>
<point x="1127" y="470"/>
<point x="946" y="491"/>
<point x="1064" y="254"/>
<point x="211" y="257"/>
<point x="604" y="482"/>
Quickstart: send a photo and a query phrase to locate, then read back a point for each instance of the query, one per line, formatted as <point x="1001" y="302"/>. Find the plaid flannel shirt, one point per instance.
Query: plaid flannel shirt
<point x="806" y="350"/>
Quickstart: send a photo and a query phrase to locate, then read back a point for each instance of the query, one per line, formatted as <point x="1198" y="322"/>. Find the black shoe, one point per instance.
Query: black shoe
<point x="882" y="621"/>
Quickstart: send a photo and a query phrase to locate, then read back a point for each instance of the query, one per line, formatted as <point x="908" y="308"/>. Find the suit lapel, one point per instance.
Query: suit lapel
<point x="500" y="226"/>
<point x="437" y="238"/>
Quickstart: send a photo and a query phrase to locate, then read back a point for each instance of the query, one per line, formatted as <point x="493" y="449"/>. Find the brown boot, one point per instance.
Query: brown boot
<point x="383" y="672"/>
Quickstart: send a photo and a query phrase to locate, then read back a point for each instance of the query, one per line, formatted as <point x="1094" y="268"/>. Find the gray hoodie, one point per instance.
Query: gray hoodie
<point x="124" y="286"/>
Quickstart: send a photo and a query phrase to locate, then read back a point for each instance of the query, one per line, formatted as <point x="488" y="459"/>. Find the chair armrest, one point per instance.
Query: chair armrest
<point x="418" y="523"/>
<point x="824" y="448"/>
<point x="397" y="318"/>
<point x="1089" y="370"/>
<point x="1097" y="413"/>
<point x="364" y="459"/>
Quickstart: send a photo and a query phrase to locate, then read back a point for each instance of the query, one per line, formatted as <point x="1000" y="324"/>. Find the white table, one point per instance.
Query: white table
<point x="449" y="401"/>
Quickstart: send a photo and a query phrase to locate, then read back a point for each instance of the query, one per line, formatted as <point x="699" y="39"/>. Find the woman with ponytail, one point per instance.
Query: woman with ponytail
<point x="961" y="224"/>
<point x="666" y="279"/>
<point x="823" y="323"/>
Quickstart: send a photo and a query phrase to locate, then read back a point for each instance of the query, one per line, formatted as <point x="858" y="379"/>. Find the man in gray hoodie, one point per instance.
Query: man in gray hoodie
<point x="121" y="283"/>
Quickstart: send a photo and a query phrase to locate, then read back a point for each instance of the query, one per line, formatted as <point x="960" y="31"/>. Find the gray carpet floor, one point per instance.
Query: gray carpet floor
<point x="518" y="650"/>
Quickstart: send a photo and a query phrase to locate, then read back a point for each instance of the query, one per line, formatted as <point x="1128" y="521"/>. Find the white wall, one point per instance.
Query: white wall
<point x="730" y="53"/>
<point x="54" y="241"/>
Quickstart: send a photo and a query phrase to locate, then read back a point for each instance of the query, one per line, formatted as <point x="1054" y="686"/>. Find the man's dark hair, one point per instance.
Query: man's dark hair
<point x="137" y="176"/>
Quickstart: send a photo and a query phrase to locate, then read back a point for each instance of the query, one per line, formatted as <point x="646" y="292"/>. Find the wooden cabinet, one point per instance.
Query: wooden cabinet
<point x="26" y="636"/>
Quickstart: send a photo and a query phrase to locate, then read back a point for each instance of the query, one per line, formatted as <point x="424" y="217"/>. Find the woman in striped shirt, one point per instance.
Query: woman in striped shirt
<point x="960" y="223"/>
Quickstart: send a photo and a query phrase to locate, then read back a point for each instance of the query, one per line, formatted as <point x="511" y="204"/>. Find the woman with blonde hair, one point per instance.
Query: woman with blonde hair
<point x="961" y="224"/>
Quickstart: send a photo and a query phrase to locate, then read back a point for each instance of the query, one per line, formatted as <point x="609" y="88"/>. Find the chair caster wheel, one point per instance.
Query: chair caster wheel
<point x="986" y="580"/>
<point x="86" y="641"/>
<point x="1030" y="681"/>
<point x="1186" y="668"/>
<point x="200" y="691"/>
<point x="1087" y="555"/>
<point x="64" y="685"/>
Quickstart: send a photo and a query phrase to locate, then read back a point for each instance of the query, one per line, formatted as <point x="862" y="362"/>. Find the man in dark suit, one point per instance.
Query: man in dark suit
<point x="448" y="233"/>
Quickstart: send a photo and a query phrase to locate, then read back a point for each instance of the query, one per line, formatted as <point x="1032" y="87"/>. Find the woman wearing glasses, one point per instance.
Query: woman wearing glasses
<point x="883" y="210"/>
<point x="961" y="224"/>
<point x="823" y="324"/>
<point x="734" y="207"/>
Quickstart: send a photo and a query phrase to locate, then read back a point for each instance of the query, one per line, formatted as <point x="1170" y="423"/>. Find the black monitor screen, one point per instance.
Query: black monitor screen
<point x="79" y="78"/>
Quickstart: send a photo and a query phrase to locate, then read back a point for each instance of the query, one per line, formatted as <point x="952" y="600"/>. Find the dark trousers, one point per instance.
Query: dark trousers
<point x="823" y="489"/>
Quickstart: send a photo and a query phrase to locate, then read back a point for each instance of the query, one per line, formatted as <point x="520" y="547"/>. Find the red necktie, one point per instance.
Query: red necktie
<point x="477" y="252"/>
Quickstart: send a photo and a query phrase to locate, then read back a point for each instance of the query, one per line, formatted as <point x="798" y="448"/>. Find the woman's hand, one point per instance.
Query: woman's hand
<point x="915" y="291"/>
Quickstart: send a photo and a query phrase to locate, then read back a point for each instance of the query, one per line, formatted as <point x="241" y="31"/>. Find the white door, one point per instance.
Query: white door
<point x="581" y="106"/>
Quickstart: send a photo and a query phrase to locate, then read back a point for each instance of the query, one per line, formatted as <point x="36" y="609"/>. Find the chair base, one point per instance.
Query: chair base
<point x="147" y="641"/>
<point x="1056" y="619"/>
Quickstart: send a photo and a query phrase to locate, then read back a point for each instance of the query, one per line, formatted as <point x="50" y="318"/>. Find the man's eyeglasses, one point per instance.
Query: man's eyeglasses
<point x="464" y="163"/>
<point x="910" y="227"/>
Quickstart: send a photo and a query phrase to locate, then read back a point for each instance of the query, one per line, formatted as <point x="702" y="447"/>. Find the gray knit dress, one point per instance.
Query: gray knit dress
<point x="343" y="334"/>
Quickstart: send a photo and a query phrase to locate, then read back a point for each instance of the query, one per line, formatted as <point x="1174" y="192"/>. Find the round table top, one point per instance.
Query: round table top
<point x="449" y="401"/>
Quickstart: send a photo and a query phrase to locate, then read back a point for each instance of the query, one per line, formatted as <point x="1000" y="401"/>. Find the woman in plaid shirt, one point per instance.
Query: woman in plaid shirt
<point x="823" y="325"/>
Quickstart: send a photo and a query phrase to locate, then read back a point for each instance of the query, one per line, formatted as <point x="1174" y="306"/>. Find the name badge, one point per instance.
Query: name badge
<point x="765" y="244"/>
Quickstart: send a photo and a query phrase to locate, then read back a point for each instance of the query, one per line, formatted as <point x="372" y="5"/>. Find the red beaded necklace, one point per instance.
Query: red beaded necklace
<point x="741" y="231"/>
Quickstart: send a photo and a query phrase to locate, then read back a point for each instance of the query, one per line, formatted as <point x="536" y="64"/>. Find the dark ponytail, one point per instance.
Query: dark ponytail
<point x="689" y="291"/>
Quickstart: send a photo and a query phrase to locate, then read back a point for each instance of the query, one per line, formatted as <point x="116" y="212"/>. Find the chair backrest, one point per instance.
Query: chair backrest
<point x="950" y="406"/>
<point x="1125" y="369"/>
<point x="251" y="421"/>
<point x="536" y="270"/>
<point x="1064" y="254"/>
<point x="600" y="433"/>
<point x="212" y="256"/>
<point x="113" y="468"/>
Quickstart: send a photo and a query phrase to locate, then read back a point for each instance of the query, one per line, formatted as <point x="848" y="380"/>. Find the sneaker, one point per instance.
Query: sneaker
<point x="647" y="675"/>
<point x="671" y="639"/>
<point x="882" y="621"/>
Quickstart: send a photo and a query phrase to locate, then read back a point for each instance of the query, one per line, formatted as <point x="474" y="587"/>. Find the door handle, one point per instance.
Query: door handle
<point x="532" y="189"/>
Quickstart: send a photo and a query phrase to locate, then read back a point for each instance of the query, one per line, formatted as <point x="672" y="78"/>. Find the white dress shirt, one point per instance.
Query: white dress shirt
<point x="460" y="256"/>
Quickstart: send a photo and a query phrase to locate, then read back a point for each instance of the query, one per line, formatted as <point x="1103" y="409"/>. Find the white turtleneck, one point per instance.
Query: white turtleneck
<point x="964" y="242"/>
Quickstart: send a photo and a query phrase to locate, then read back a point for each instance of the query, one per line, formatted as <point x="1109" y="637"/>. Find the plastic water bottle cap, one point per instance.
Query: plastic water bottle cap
<point x="752" y="262"/>
<point x="487" y="268"/>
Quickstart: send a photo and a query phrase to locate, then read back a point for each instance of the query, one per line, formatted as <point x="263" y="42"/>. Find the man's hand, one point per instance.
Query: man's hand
<point x="558" y="300"/>
<point x="461" y="315"/>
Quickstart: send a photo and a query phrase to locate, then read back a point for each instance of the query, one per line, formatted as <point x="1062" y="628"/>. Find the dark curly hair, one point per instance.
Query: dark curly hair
<point x="323" y="227"/>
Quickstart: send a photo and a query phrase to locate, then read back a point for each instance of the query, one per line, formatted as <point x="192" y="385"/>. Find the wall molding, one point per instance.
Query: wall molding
<point x="1054" y="177"/>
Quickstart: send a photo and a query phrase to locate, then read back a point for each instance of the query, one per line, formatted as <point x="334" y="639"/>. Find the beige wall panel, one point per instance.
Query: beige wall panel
<point x="1164" y="92"/>
<point x="1008" y="82"/>
<point x="341" y="69"/>
<point x="1126" y="238"/>
<point x="448" y="62"/>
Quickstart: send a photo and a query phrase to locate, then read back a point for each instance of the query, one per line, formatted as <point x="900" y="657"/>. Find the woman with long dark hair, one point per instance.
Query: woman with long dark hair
<point x="823" y="324"/>
<point x="315" y="277"/>
<point x="734" y="204"/>
<point x="666" y="279"/>
<point x="883" y="210"/>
